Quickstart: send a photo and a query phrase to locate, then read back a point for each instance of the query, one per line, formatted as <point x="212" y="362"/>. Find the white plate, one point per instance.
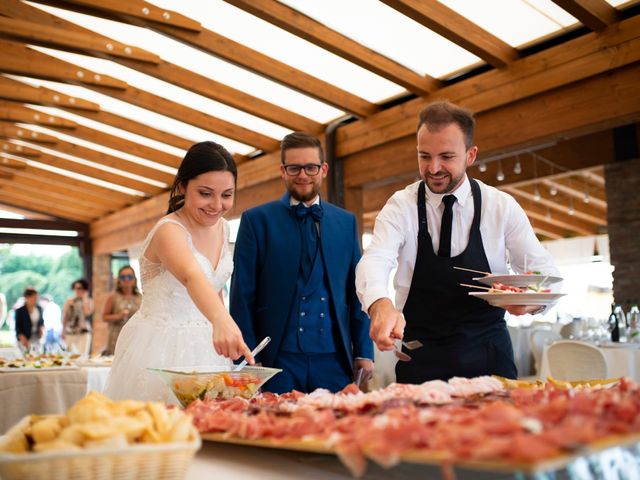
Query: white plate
<point x="517" y="280"/>
<point x="34" y="369"/>
<point x="504" y="299"/>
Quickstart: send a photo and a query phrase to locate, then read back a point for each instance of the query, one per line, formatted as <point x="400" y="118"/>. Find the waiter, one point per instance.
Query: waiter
<point x="443" y="221"/>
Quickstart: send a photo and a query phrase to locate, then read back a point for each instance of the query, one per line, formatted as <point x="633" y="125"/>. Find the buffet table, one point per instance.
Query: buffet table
<point x="45" y="391"/>
<point x="623" y="360"/>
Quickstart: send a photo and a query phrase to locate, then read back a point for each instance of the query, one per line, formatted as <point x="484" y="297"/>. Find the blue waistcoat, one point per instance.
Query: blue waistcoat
<point x="310" y="325"/>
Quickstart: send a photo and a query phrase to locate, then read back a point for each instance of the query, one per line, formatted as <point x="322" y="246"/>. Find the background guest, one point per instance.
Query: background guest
<point x="29" y="321"/>
<point x="121" y="305"/>
<point x="77" y="314"/>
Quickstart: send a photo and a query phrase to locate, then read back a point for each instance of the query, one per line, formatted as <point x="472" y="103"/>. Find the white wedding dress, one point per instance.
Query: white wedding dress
<point x="168" y="330"/>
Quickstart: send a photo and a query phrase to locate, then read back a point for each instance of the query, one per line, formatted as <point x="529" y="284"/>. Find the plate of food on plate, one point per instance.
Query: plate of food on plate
<point x="47" y="361"/>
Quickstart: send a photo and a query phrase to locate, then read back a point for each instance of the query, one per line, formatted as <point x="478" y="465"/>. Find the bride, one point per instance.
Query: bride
<point x="184" y="265"/>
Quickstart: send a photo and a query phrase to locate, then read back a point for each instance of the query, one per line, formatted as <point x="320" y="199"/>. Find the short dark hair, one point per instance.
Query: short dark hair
<point x="300" y="140"/>
<point x="83" y="283"/>
<point x="30" y="291"/>
<point x="442" y="113"/>
<point x="201" y="158"/>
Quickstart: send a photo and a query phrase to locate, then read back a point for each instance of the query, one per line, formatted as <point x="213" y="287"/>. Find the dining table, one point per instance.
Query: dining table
<point x="623" y="359"/>
<point x="46" y="391"/>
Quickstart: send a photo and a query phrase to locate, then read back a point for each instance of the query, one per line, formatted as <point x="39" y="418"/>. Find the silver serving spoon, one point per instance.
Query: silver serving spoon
<point x="254" y="352"/>
<point x="410" y="345"/>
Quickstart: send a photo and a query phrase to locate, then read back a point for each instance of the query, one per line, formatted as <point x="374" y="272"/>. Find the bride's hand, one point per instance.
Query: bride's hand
<point x="228" y="341"/>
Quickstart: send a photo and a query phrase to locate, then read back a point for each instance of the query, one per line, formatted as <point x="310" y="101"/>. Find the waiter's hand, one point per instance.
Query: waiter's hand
<point x="387" y="324"/>
<point x="523" y="309"/>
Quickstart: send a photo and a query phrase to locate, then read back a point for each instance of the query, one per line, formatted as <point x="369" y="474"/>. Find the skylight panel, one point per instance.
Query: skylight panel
<point x="516" y="22"/>
<point x="276" y="43"/>
<point x="389" y="32"/>
<point x="202" y="63"/>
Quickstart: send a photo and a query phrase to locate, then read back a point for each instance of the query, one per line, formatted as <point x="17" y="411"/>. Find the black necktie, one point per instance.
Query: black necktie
<point x="445" y="226"/>
<point x="309" y="235"/>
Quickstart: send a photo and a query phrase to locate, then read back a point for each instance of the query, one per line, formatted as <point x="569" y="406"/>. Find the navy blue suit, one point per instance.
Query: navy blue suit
<point x="265" y="286"/>
<point x="23" y="321"/>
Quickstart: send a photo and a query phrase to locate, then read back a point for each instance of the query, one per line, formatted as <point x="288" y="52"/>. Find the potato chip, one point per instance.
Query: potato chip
<point x="73" y="434"/>
<point x="46" y="429"/>
<point x="116" y="442"/>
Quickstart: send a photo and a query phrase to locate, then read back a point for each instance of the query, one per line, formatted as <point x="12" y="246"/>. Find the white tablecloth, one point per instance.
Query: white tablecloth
<point x="45" y="392"/>
<point x="623" y="360"/>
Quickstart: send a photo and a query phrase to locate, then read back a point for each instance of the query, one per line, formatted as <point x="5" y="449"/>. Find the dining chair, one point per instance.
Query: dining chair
<point x="538" y="339"/>
<point x="575" y="360"/>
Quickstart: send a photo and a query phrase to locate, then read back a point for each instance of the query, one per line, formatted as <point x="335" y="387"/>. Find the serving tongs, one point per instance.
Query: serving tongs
<point x="254" y="352"/>
<point x="410" y="345"/>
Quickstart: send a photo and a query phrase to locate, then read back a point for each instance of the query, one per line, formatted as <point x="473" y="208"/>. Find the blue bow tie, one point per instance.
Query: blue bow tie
<point x="314" y="210"/>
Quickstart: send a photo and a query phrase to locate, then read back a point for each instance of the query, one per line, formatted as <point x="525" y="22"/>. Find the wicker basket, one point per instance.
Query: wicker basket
<point x="136" y="462"/>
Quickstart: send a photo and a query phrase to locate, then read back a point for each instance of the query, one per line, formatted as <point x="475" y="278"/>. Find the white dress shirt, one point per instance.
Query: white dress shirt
<point x="507" y="237"/>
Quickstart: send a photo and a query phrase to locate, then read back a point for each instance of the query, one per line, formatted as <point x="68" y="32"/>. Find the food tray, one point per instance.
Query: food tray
<point x="621" y="450"/>
<point x="167" y="461"/>
<point x="38" y="369"/>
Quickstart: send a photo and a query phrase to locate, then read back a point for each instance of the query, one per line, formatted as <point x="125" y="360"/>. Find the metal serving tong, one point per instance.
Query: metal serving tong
<point x="254" y="352"/>
<point x="410" y="345"/>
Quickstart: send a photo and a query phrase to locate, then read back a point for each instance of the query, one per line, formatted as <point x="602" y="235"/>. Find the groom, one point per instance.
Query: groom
<point x="294" y="280"/>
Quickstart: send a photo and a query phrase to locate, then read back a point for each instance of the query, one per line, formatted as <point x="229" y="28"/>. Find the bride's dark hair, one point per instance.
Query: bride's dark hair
<point x="201" y="158"/>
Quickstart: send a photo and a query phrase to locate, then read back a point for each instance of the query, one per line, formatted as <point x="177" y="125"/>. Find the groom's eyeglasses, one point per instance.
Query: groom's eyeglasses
<point x="310" y="169"/>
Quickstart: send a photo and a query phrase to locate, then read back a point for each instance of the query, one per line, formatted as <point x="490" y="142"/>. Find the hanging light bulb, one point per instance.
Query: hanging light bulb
<point x="548" y="214"/>
<point x="500" y="174"/>
<point x="571" y="210"/>
<point x="553" y="190"/>
<point x="536" y="194"/>
<point x="586" y="198"/>
<point x="517" y="168"/>
<point x="482" y="167"/>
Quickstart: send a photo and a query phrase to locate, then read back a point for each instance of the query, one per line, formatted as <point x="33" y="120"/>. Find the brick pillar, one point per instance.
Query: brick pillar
<point x="623" y="217"/>
<point x="102" y="284"/>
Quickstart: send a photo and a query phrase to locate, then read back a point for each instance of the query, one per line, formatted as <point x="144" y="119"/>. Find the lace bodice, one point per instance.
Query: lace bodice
<point x="164" y="297"/>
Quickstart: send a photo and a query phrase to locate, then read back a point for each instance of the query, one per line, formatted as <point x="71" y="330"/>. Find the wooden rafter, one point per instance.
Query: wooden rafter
<point x="149" y="101"/>
<point x="238" y="54"/>
<point x="36" y="33"/>
<point x="100" y="174"/>
<point x="461" y="31"/>
<point x="17" y="149"/>
<point x="569" y="62"/>
<point x="43" y="205"/>
<point x="14" y="112"/>
<point x="37" y="171"/>
<point x="597" y="198"/>
<point x="144" y="11"/>
<point x="315" y="32"/>
<point x="595" y="14"/>
<point x="21" y="92"/>
<point x="546" y="230"/>
<point x="172" y="73"/>
<point x="11" y="163"/>
<point x="11" y="130"/>
<point x="17" y="58"/>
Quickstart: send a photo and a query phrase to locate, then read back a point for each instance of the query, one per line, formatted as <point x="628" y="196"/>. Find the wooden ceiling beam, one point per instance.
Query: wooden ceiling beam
<point x="25" y="213"/>
<point x="18" y="59"/>
<point x="47" y="185"/>
<point x="41" y="205"/>
<point x="16" y="149"/>
<point x="595" y="14"/>
<point x="11" y="163"/>
<point x="11" y="130"/>
<point x="572" y="61"/>
<point x="238" y="54"/>
<point x="19" y="113"/>
<point x="545" y="230"/>
<point x="552" y="116"/>
<point x="558" y="218"/>
<point x="315" y="32"/>
<point x="79" y="168"/>
<point x="56" y="198"/>
<point x="36" y="171"/>
<point x="148" y="101"/>
<point x="144" y="11"/>
<point x="21" y="92"/>
<point x="597" y="198"/>
<point x="38" y="34"/>
<point x="582" y="174"/>
<point x="458" y="29"/>
<point x="560" y="203"/>
<point x="172" y="73"/>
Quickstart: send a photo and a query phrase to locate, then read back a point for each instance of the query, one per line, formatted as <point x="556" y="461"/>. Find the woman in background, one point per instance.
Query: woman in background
<point x="77" y="314"/>
<point x="29" y="321"/>
<point x="121" y="305"/>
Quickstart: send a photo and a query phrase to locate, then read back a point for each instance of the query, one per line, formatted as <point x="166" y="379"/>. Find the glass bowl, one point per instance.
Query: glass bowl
<point x="191" y="383"/>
